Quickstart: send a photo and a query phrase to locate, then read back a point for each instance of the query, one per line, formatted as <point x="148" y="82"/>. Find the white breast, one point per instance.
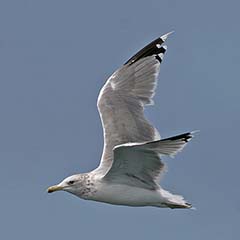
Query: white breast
<point x="126" y="195"/>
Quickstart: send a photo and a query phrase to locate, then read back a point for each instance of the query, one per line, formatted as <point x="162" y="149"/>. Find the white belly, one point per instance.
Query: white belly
<point x="127" y="195"/>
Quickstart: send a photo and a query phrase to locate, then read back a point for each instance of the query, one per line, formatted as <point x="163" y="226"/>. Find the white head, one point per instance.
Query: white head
<point x="73" y="184"/>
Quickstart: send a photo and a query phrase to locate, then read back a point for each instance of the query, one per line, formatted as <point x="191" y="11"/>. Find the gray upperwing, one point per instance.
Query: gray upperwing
<point x="122" y="99"/>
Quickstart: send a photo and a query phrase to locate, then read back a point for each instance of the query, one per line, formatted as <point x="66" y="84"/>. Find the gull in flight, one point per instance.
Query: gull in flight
<point x="131" y="165"/>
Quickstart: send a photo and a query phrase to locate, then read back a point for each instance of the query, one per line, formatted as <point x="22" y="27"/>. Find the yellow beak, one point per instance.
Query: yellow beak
<point x="54" y="188"/>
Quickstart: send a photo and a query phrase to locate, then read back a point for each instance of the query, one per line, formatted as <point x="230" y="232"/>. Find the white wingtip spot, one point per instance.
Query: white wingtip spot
<point x="165" y="47"/>
<point x="161" y="55"/>
<point x="165" y="36"/>
<point x="193" y="132"/>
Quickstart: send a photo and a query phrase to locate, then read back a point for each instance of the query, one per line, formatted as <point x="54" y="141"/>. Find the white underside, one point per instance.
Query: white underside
<point x="132" y="196"/>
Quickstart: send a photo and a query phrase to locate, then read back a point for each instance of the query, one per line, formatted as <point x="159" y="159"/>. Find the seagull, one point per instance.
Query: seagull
<point x="131" y="164"/>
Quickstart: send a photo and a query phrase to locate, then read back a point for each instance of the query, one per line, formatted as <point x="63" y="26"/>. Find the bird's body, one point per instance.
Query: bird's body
<point x="93" y="187"/>
<point x="131" y="166"/>
<point x="122" y="194"/>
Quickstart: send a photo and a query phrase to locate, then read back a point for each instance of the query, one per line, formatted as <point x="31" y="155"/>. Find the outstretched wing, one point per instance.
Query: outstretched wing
<point x="123" y="97"/>
<point x="140" y="165"/>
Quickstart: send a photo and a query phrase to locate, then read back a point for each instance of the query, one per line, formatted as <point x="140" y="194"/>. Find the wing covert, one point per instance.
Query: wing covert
<point x="140" y="165"/>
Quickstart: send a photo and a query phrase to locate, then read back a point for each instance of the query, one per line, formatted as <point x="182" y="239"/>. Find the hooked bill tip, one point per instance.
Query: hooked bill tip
<point x="54" y="188"/>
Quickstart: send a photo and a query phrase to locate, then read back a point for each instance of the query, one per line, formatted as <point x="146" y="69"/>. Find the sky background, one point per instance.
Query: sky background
<point x="54" y="58"/>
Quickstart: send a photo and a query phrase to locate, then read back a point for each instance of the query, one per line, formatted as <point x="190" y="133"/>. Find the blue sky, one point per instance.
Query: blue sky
<point x="54" y="58"/>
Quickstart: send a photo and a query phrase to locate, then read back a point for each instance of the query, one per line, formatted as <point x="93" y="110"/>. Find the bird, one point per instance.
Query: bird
<point x="131" y="165"/>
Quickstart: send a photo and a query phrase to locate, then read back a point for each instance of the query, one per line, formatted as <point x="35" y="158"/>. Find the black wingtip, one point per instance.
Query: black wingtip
<point x="160" y="53"/>
<point x="153" y="48"/>
<point x="186" y="137"/>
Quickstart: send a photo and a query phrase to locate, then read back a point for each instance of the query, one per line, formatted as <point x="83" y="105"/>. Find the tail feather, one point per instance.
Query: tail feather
<point x="174" y="201"/>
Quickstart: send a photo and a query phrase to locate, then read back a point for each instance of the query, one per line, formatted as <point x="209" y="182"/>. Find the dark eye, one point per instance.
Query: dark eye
<point x="71" y="182"/>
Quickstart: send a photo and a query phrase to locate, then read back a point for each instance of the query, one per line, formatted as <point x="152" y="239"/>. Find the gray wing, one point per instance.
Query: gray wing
<point x="122" y="99"/>
<point x="140" y="165"/>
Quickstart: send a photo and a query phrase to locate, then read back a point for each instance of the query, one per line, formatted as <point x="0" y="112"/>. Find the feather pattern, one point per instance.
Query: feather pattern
<point x="122" y="100"/>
